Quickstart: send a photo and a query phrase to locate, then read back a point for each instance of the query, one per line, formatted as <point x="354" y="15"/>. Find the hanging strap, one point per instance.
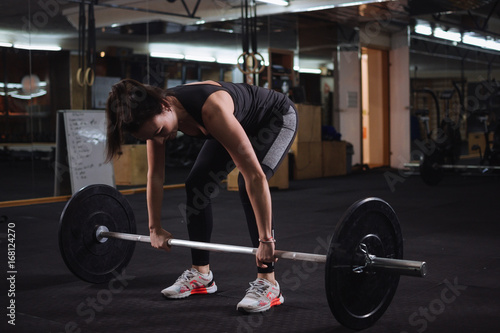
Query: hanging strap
<point x="81" y="45"/>
<point x="244" y="25"/>
<point x="253" y="32"/>
<point x="91" y="48"/>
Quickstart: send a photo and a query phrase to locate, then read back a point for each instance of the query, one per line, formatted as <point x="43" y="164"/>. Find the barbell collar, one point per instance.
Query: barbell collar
<point x="398" y="266"/>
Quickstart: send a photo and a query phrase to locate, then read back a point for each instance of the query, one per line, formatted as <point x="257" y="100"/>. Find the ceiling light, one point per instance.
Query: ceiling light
<point x="481" y="42"/>
<point x="37" y="47"/>
<point x="491" y="44"/>
<point x="449" y="35"/>
<point x="475" y="41"/>
<point x="2" y="44"/>
<point x="229" y="61"/>
<point x="30" y="96"/>
<point x="423" y="29"/>
<point x="200" y="58"/>
<point x="166" y="55"/>
<point x="11" y="85"/>
<point x="275" y="2"/>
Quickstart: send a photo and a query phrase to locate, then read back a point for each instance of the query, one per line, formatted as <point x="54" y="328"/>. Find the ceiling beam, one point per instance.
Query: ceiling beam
<point x="145" y="10"/>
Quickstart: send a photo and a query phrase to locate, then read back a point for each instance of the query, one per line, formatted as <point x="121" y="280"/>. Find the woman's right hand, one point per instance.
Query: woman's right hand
<point x="159" y="239"/>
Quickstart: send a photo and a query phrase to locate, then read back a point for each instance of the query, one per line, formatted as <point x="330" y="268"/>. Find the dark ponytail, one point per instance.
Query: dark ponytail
<point x="129" y="105"/>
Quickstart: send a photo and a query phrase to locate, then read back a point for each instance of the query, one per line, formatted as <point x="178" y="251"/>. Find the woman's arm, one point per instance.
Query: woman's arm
<point x="219" y="120"/>
<point x="154" y="193"/>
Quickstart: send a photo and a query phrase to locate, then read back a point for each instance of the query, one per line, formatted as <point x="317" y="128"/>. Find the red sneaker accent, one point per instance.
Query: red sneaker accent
<point x="199" y="290"/>
<point x="275" y="301"/>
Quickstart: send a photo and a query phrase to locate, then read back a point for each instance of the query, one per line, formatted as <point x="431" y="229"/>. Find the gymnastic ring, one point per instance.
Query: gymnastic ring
<point x="89" y="77"/>
<point x="261" y="69"/>
<point x="244" y="60"/>
<point x="250" y="70"/>
<point x="79" y="79"/>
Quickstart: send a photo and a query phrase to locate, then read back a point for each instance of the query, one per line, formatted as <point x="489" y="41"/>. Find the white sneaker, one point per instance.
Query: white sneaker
<point x="261" y="296"/>
<point x="191" y="282"/>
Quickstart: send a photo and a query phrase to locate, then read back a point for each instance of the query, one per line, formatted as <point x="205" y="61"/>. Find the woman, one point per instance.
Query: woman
<point x="245" y="126"/>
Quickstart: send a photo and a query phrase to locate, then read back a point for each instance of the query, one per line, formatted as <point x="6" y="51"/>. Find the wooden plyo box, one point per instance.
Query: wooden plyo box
<point x="307" y="145"/>
<point x="131" y="168"/>
<point x="334" y="158"/>
<point x="308" y="162"/>
<point x="279" y="180"/>
<point x="309" y="123"/>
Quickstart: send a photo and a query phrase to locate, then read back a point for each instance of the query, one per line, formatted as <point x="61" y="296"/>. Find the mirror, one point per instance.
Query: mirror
<point x="454" y="90"/>
<point x="142" y="45"/>
<point x="36" y="82"/>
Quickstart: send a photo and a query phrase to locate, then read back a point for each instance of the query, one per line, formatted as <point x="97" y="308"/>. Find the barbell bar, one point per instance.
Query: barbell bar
<point x="363" y="264"/>
<point x="398" y="266"/>
<point x="457" y="166"/>
<point x="432" y="171"/>
<point x="465" y="166"/>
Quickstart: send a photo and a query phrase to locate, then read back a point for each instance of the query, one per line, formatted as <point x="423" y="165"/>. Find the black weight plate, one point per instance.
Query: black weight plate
<point x="358" y="300"/>
<point x="429" y="168"/>
<point x="87" y="258"/>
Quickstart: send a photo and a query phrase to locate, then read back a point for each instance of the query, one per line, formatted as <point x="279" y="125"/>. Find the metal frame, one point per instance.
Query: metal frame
<point x="444" y="49"/>
<point x="480" y="26"/>
<point x="110" y="5"/>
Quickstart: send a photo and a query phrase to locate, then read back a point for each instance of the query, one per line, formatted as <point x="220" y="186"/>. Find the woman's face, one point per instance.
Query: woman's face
<point x="161" y="127"/>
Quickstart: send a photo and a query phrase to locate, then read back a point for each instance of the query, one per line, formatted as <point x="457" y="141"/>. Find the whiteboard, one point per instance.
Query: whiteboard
<point x="86" y="145"/>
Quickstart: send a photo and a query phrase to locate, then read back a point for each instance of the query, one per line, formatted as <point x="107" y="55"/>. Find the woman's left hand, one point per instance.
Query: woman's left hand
<point x="265" y="253"/>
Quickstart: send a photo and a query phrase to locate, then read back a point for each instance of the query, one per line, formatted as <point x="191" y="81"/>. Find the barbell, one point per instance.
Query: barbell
<point x="363" y="263"/>
<point x="432" y="167"/>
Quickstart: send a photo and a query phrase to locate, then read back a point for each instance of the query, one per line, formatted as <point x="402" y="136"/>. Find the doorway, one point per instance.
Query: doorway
<point x="375" y="107"/>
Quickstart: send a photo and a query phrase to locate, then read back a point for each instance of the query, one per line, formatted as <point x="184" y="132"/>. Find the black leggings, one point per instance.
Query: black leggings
<point x="271" y="142"/>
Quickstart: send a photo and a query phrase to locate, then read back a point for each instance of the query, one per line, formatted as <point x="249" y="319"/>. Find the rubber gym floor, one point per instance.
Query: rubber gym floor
<point x="454" y="227"/>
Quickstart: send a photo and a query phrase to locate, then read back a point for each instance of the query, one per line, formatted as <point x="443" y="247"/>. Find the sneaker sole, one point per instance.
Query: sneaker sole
<point x="198" y="291"/>
<point x="275" y="302"/>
